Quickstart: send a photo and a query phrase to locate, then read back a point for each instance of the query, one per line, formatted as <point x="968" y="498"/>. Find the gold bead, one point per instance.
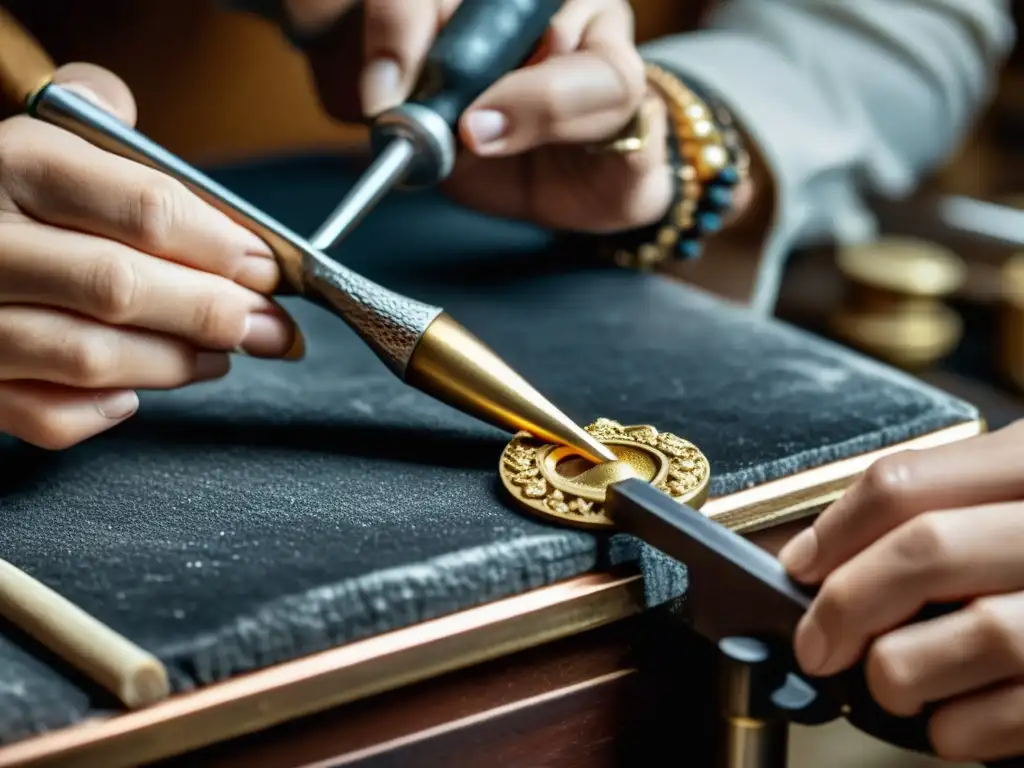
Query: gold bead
<point x="687" y="173"/>
<point x="700" y="129"/>
<point x="711" y="160"/>
<point x="691" y="190"/>
<point x="650" y="254"/>
<point x="667" y="237"/>
<point x="695" y="112"/>
<point x="682" y="215"/>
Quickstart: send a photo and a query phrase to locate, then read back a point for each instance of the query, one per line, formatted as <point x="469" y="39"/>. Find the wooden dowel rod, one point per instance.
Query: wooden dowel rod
<point x="135" y="676"/>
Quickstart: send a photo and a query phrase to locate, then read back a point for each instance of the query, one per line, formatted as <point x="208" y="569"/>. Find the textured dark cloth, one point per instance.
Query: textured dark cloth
<point x="295" y="507"/>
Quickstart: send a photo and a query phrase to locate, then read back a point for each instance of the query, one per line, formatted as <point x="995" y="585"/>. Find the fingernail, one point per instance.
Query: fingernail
<point x="250" y="243"/>
<point x="811" y="646"/>
<point x="799" y="554"/>
<point x="268" y="336"/>
<point x="381" y="84"/>
<point x="88" y="94"/>
<point x="258" y="273"/>
<point x="485" y="126"/>
<point x="211" y="365"/>
<point x="298" y="348"/>
<point x="118" y="406"/>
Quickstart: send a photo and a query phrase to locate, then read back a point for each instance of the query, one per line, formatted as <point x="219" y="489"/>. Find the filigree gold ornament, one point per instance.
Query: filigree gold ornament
<point x="555" y="481"/>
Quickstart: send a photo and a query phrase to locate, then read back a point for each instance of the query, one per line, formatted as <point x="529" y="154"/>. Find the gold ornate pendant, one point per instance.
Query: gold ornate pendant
<point x="554" y="481"/>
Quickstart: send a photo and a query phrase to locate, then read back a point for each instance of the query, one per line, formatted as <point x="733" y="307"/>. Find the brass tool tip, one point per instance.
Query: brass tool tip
<point x="454" y="366"/>
<point x="24" y="66"/>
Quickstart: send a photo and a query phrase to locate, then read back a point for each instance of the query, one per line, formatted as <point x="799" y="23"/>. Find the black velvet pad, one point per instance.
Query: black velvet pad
<point x="295" y="507"/>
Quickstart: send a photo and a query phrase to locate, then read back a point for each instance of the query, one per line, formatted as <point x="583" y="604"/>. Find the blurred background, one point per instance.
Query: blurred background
<point x="940" y="294"/>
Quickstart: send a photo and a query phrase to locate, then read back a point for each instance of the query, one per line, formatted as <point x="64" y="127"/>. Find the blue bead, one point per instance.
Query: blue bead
<point x="690" y="249"/>
<point x="720" y="198"/>
<point x="728" y="176"/>
<point x="709" y="222"/>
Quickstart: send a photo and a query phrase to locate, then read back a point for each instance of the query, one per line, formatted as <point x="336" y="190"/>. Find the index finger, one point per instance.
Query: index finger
<point x="63" y="180"/>
<point x="982" y="470"/>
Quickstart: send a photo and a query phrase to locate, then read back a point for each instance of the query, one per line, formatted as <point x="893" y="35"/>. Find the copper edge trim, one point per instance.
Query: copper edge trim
<point x="364" y="668"/>
<point x="805" y="493"/>
<point x="341" y="675"/>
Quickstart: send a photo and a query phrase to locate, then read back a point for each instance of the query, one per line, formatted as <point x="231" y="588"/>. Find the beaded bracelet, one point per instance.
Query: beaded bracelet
<point x="709" y="160"/>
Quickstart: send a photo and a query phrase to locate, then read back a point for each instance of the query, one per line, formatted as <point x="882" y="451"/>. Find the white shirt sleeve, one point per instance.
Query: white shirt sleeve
<point x="841" y="96"/>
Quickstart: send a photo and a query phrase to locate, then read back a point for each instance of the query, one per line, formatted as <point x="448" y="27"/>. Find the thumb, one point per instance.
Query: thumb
<point x="100" y="86"/>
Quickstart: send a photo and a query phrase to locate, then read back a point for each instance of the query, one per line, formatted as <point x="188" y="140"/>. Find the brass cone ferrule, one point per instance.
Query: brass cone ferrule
<point x="452" y="365"/>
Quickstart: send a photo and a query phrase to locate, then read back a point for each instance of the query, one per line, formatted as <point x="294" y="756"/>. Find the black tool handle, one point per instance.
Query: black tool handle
<point x="483" y="41"/>
<point x="736" y="589"/>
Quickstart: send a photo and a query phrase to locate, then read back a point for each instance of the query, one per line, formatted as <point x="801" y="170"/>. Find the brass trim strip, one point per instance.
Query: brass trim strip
<point x="802" y="494"/>
<point x="358" y="670"/>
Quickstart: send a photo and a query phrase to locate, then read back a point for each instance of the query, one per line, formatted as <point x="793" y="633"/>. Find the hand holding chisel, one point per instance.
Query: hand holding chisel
<point x="418" y="342"/>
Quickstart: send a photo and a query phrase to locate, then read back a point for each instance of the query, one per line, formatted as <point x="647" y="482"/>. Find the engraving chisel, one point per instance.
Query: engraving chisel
<point x="415" y="143"/>
<point x="421" y="344"/>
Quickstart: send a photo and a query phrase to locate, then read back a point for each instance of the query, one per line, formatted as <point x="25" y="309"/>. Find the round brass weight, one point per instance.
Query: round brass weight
<point x="894" y="306"/>
<point x="1011" y="357"/>
<point x="555" y="482"/>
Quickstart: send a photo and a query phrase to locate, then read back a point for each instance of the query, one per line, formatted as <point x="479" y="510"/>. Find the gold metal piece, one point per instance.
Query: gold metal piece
<point x="25" y="67"/>
<point x="633" y="137"/>
<point x="1011" y="342"/>
<point x="903" y="266"/>
<point x="361" y="669"/>
<point x="554" y="482"/>
<point x="910" y="340"/>
<point x="668" y="237"/>
<point x="454" y="366"/>
<point x="711" y="160"/>
<point x="893" y="306"/>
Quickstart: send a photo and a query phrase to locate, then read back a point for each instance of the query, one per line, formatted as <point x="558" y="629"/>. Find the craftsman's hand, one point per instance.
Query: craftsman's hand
<point x="931" y="526"/>
<point x="113" y="277"/>
<point x="524" y="140"/>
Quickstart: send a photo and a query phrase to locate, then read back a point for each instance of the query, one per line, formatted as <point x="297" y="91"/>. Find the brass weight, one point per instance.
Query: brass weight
<point x="1011" y="341"/>
<point x="893" y="308"/>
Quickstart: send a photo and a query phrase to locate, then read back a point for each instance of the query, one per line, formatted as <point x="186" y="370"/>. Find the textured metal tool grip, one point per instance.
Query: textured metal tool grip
<point x="484" y="40"/>
<point x="391" y="324"/>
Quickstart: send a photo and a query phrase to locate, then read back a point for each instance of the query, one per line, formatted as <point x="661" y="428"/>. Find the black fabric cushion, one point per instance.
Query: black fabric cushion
<point x="295" y="507"/>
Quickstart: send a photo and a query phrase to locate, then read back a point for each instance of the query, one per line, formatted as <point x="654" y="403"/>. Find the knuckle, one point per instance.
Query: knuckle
<point x="89" y="362"/>
<point x="892" y="678"/>
<point x="996" y="630"/>
<point x="837" y="596"/>
<point x="114" y="287"/>
<point x="152" y="213"/>
<point x="888" y="478"/>
<point x="924" y="543"/>
<point x="218" y="322"/>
